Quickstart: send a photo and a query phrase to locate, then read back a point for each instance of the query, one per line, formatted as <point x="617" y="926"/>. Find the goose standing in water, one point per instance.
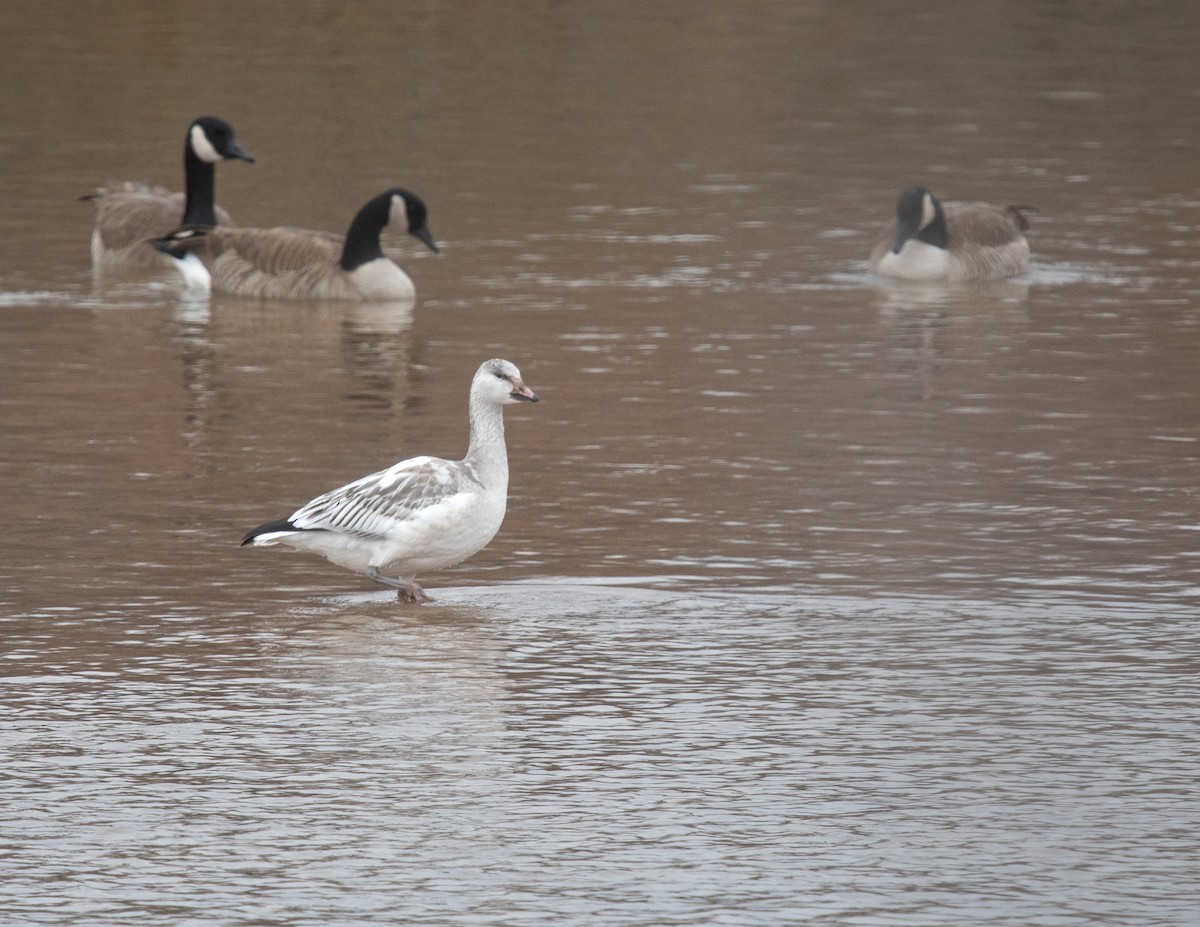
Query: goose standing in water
<point x="129" y="214"/>
<point x="421" y="514"/>
<point x="292" y="263"/>
<point x="958" y="241"/>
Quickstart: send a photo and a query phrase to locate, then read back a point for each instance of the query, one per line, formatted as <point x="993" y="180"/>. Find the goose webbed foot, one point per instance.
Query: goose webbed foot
<point x="405" y="592"/>
<point x="413" y="594"/>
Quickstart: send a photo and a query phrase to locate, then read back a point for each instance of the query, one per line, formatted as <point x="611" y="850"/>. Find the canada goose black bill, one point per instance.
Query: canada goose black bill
<point x="958" y="241"/>
<point x="291" y="263"/>
<point x="130" y="213"/>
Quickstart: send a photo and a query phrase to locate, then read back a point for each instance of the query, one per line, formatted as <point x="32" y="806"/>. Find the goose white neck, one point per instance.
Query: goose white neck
<point x="487" y="451"/>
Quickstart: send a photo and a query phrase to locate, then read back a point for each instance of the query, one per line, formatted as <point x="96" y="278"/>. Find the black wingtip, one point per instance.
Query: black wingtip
<point x="281" y="524"/>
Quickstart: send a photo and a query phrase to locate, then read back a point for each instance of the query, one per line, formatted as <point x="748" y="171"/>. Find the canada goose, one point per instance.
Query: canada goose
<point x="291" y="263"/>
<point x="421" y="514"/>
<point x="958" y="241"/>
<point x="129" y="214"/>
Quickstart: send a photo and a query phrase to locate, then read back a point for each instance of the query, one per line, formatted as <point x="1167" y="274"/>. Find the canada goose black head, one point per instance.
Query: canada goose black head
<point x="919" y="215"/>
<point x="392" y="207"/>
<point x="210" y="140"/>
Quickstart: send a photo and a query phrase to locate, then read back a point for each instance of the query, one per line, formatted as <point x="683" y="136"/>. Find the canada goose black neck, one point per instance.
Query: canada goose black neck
<point x="362" y="239"/>
<point x="200" y="195"/>
<point x="919" y="215"/>
<point x="935" y="232"/>
<point x="208" y="141"/>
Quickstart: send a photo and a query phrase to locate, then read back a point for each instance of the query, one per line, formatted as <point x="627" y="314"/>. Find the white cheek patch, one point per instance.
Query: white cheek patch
<point x="203" y="147"/>
<point x="927" y="210"/>
<point x="398" y="213"/>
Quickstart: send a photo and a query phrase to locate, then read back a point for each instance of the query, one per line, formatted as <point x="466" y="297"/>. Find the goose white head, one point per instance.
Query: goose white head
<point x="499" y="382"/>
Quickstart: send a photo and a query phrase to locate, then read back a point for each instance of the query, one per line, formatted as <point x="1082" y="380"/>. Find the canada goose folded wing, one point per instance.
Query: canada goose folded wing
<point x="130" y="213"/>
<point x="985" y="225"/>
<point x="271" y="251"/>
<point x="279" y="264"/>
<point x="274" y="263"/>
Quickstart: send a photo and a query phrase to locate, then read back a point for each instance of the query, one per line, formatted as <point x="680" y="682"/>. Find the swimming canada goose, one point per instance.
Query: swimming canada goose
<point x="421" y="514"/>
<point x="958" y="241"/>
<point x="291" y="263"/>
<point x="129" y="214"/>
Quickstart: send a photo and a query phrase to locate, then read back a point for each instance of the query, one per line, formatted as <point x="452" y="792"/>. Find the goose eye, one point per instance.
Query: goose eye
<point x="501" y="376"/>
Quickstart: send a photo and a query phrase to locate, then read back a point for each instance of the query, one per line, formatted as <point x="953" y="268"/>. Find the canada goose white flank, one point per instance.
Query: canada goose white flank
<point x="421" y="514"/>
<point x="957" y="241"/>
<point x="129" y="214"/>
<point x="292" y="263"/>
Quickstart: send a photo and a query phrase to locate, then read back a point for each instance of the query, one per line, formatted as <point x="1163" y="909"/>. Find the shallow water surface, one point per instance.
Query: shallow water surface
<point x="819" y="600"/>
<point x="554" y="752"/>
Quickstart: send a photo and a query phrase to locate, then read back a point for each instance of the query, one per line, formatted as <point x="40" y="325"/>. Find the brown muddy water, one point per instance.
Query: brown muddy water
<point x="819" y="601"/>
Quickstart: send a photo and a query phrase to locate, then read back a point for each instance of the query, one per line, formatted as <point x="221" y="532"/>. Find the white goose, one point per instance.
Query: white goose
<point x="958" y="241"/>
<point x="421" y="514"/>
<point x="129" y="214"/>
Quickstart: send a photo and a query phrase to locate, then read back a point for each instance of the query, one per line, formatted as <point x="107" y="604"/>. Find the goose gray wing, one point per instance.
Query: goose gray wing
<point x="983" y="224"/>
<point x="276" y="250"/>
<point x="374" y="506"/>
<point x="132" y="213"/>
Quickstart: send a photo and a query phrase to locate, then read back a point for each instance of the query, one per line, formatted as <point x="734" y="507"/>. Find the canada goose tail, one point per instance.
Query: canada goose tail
<point x="180" y="245"/>
<point x="1018" y="213"/>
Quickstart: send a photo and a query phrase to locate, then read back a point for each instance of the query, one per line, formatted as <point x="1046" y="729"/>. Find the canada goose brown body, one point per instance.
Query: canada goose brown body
<point x="295" y="263"/>
<point x="954" y="242"/>
<point x="130" y="213"/>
